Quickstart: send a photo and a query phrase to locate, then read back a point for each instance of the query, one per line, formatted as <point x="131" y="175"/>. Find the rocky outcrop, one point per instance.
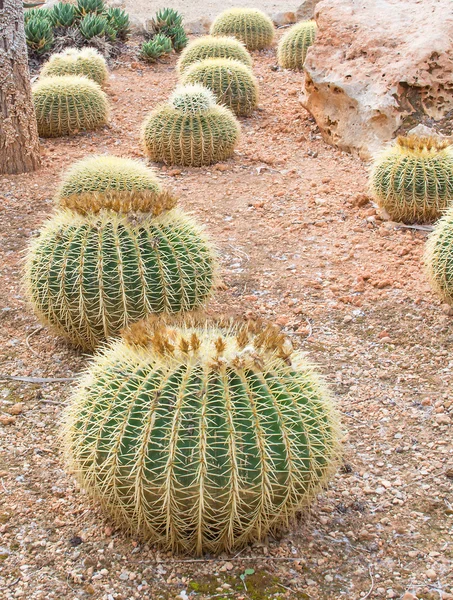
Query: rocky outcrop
<point x="378" y="68"/>
<point x="306" y="10"/>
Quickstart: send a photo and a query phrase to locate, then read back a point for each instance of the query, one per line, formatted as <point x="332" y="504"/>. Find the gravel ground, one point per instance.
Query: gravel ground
<point x="302" y="244"/>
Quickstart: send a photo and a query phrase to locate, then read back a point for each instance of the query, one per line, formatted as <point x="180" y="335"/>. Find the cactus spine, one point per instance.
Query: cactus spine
<point x="92" y="271"/>
<point x="86" y="62"/>
<point x="249" y="25"/>
<point x="231" y="82"/>
<point x="293" y="47"/>
<point x="190" y="130"/>
<point x="201" y="438"/>
<point x="214" y="47"/>
<point x="413" y="180"/>
<point x="68" y="104"/>
<point x="439" y="257"/>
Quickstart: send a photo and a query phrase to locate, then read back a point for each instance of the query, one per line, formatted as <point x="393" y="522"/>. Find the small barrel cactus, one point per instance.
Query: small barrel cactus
<point x="439" y="257"/>
<point x="214" y="47"/>
<point x="413" y="180"/>
<point x="293" y="47"/>
<point x="92" y="272"/>
<point x="232" y="83"/>
<point x="249" y="25"/>
<point x="88" y="62"/>
<point x="68" y="104"/>
<point x="191" y="129"/>
<point x="201" y="438"/>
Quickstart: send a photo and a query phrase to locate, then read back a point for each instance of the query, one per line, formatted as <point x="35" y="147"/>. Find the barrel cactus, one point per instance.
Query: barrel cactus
<point x="88" y="62"/>
<point x="249" y="25"/>
<point x="190" y="129"/>
<point x="201" y="438"/>
<point x="210" y="46"/>
<point x="92" y="272"/>
<point x="439" y="257"/>
<point x="413" y="180"/>
<point x="232" y="83"/>
<point x="68" y="104"/>
<point x="293" y="47"/>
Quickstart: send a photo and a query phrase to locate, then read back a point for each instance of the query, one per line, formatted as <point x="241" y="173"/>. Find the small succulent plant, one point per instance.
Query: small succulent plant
<point x="39" y="35"/>
<point x="190" y="129"/>
<point x="293" y="47"/>
<point x="153" y="49"/>
<point x="63" y="15"/>
<point x="93" y="25"/>
<point x="119" y="20"/>
<point x="232" y="83"/>
<point x="168" y="22"/>
<point x="88" y="62"/>
<point x="413" y="179"/>
<point x="213" y="47"/>
<point x="253" y="27"/>
<point x="87" y="7"/>
<point x="201" y="437"/>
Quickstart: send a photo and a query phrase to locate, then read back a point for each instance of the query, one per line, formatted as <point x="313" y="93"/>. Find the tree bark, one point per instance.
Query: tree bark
<point x="19" y="142"/>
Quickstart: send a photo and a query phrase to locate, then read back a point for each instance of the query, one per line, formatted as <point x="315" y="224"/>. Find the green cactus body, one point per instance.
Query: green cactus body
<point x="439" y="257"/>
<point x="88" y="276"/>
<point x="232" y="83"/>
<point x="293" y="47"/>
<point x="214" y="47"/>
<point x="201" y="439"/>
<point x="72" y="61"/>
<point x="413" y="180"/>
<point x="68" y="104"/>
<point x="190" y="130"/>
<point x="249" y="25"/>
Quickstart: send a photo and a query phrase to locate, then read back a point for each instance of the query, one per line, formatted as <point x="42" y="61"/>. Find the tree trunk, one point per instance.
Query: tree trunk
<point x="19" y="143"/>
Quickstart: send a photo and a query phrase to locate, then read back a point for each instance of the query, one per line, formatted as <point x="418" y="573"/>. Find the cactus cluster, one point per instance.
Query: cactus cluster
<point x="68" y="104"/>
<point x="201" y="437"/>
<point x="293" y="47"/>
<point x="232" y="83"/>
<point x="92" y="272"/>
<point x="190" y="129"/>
<point x="214" y="47"/>
<point x="249" y="25"/>
<point x="87" y="62"/>
<point x="439" y="257"/>
<point x="413" y="180"/>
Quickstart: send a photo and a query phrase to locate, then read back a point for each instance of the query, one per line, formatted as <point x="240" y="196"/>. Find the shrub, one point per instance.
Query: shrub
<point x="213" y="47"/>
<point x="190" y="130"/>
<point x="71" y="61"/>
<point x="231" y="82"/>
<point x="66" y="105"/>
<point x="413" y="180"/>
<point x="201" y="438"/>
<point x="155" y="48"/>
<point x="249" y="25"/>
<point x="293" y="47"/>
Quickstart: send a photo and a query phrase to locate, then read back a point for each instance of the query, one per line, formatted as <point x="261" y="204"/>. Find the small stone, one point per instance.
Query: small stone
<point x="124" y="576"/>
<point x="447" y="309"/>
<point x="431" y="574"/>
<point x="391" y="593"/>
<point x="442" y="419"/>
<point x="284" y="18"/>
<point x="347" y="319"/>
<point x="17" y="408"/>
<point x="7" y="420"/>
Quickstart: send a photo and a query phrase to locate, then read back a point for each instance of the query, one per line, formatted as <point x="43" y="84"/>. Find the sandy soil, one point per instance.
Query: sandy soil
<point x="301" y="244"/>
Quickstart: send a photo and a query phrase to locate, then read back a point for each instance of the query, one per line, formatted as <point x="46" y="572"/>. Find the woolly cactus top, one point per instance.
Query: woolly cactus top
<point x="423" y="146"/>
<point x="214" y="47"/>
<point x="87" y="61"/>
<point x="110" y="182"/>
<point x="192" y="99"/>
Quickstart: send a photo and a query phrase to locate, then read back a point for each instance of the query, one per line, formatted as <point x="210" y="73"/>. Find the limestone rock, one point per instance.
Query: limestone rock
<point x="284" y="18"/>
<point x="137" y="25"/>
<point x="199" y="26"/>
<point x="378" y="67"/>
<point x="306" y="10"/>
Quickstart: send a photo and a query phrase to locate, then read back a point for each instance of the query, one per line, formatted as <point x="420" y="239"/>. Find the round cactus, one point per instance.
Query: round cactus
<point x="68" y="104"/>
<point x="439" y="257"/>
<point x="110" y="182"/>
<point x="86" y="62"/>
<point x="293" y="47"/>
<point x="413" y="180"/>
<point x="214" y="47"/>
<point x="231" y="81"/>
<point x="190" y="130"/>
<point x="249" y="25"/>
<point x="93" y="271"/>
<point x="201" y="438"/>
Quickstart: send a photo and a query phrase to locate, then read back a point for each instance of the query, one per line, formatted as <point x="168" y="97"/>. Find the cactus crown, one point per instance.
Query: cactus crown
<point x="214" y="47"/>
<point x="88" y="62"/>
<point x="192" y="99"/>
<point x="109" y="182"/>
<point x="250" y="25"/>
<point x="422" y="145"/>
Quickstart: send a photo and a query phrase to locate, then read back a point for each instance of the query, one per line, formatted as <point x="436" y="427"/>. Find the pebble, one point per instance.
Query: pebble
<point x="431" y="574"/>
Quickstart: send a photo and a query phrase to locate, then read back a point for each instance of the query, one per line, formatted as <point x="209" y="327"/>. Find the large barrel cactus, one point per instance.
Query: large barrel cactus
<point x="232" y="83"/>
<point x="249" y="25"/>
<point x="68" y="104"/>
<point x="91" y="273"/>
<point x="213" y="47"/>
<point x="439" y="257"/>
<point x="413" y="180"/>
<point x="293" y="47"/>
<point x="88" y="62"/>
<point x="201" y="438"/>
<point x="190" y="129"/>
